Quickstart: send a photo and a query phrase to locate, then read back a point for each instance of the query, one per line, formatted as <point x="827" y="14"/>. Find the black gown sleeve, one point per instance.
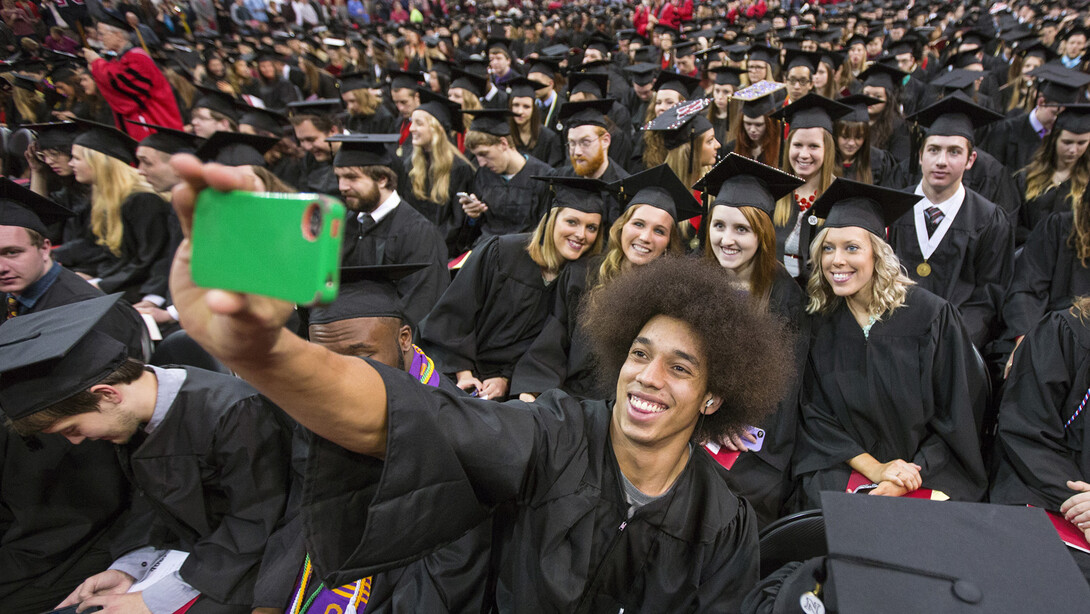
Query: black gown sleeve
<point x="143" y="243"/>
<point x="1028" y="298"/>
<point x="545" y="365"/>
<point x="994" y="267"/>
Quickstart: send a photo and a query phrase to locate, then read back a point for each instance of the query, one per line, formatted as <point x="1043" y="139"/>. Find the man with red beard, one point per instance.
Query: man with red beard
<point x="588" y="148"/>
<point x="379" y="230"/>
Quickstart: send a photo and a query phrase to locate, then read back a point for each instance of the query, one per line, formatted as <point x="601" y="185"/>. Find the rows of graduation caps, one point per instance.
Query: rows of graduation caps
<point x="502" y="164"/>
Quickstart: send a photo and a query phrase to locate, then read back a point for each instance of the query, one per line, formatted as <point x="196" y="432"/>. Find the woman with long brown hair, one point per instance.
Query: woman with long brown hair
<point x="670" y="89"/>
<point x="856" y="158"/>
<point x="1058" y="174"/>
<point x="528" y="134"/>
<point x="754" y="134"/>
<point x="1019" y="92"/>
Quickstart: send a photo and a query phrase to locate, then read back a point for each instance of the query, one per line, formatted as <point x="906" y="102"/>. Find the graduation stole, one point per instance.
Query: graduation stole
<point x="349" y="599"/>
<point x="1078" y="410"/>
<point x="423" y="368"/>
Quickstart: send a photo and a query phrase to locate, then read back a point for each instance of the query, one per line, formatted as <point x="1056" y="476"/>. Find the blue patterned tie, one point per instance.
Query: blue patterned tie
<point x="933" y="216"/>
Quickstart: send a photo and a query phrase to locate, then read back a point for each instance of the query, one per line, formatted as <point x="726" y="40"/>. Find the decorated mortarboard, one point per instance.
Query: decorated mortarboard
<point x="445" y="111"/>
<point x="945" y="556"/>
<point x="1059" y="85"/>
<point x="585" y="113"/>
<point x="957" y="79"/>
<point x="55" y="135"/>
<point x="850" y="203"/>
<point x="812" y="111"/>
<point x="579" y="193"/>
<point x="764" y="53"/>
<point x="681" y="123"/>
<point x="859" y="104"/>
<point x="364" y="150"/>
<point x="883" y="76"/>
<point x="168" y="140"/>
<point x="236" y="148"/>
<point x="796" y="57"/>
<point x="474" y="84"/>
<point x="22" y="207"/>
<point x="321" y="106"/>
<point x="216" y="100"/>
<point x="642" y="73"/>
<point x="1075" y="119"/>
<point x="522" y="87"/>
<point x="106" y="140"/>
<point x="738" y="181"/>
<point x="51" y="355"/>
<point x="658" y="187"/>
<point x="954" y="115"/>
<point x="263" y="119"/>
<point x="112" y="18"/>
<point x="594" y="83"/>
<point x="400" y="79"/>
<point x="491" y="121"/>
<point x="682" y="84"/>
<point x="366" y="292"/>
<point x="727" y="75"/>
<point x="358" y="81"/>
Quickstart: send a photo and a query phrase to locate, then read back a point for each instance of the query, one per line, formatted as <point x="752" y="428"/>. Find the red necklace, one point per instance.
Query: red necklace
<point x="805" y="203"/>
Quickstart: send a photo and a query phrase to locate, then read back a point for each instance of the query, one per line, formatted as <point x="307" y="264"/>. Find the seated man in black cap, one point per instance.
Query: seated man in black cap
<point x="381" y="228"/>
<point x="214" y="111"/>
<point x="505" y="199"/>
<point x="610" y="507"/>
<point x="210" y="455"/>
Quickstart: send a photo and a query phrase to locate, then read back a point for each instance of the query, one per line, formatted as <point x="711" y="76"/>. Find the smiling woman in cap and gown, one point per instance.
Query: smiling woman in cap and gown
<point x="893" y="389"/>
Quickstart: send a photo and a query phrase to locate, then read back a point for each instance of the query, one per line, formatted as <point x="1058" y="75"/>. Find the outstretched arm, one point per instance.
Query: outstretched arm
<point x="337" y="397"/>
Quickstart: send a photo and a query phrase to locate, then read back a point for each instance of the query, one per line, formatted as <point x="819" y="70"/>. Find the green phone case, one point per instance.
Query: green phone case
<point x="285" y="246"/>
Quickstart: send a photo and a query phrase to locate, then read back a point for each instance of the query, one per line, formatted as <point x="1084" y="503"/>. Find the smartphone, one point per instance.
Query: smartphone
<point x="759" y="434"/>
<point x="462" y="195"/>
<point x="72" y="610"/>
<point x="286" y="246"/>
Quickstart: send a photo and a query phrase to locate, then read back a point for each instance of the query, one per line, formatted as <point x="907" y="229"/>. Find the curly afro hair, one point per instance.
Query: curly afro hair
<point x="748" y="350"/>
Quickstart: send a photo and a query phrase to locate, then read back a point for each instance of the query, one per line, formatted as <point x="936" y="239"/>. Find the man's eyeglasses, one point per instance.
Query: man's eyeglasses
<point x="582" y="145"/>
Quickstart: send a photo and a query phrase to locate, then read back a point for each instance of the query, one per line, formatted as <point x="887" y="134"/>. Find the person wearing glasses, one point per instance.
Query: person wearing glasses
<point x="588" y="148"/>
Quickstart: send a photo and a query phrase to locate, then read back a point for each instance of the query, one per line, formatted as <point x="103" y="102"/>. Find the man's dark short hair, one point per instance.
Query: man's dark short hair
<point x="82" y="402"/>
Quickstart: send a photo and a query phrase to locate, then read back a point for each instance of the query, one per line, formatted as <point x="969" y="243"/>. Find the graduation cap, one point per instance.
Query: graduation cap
<point x="49" y="356"/>
<point x="585" y="113"/>
<point x="358" y="81"/>
<point x="957" y="78"/>
<point x="55" y="135"/>
<point x="738" y="181"/>
<point x="809" y="59"/>
<point x="1075" y="118"/>
<point x="648" y="54"/>
<point x="1038" y="49"/>
<point x="964" y="59"/>
<point x="883" y="76"/>
<point x="366" y="292"/>
<point x="445" y="111"/>
<point x="682" y="122"/>
<point x="218" y="101"/>
<point x="501" y="44"/>
<point x="908" y="43"/>
<point x="491" y="121"/>
<point x="268" y="54"/>
<point x="642" y="73"/>
<point x="727" y="75"/>
<point x="859" y="104"/>
<point x="870" y="207"/>
<point x="766" y="54"/>
<point x="522" y="87"/>
<point x="600" y="42"/>
<point x="168" y="140"/>
<point x="593" y="83"/>
<point x="112" y="18"/>
<point x="475" y="84"/>
<point x="546" y="66"/>
<point x="1059" y="85"/>
<point x="833" y="59"/>
<point x="579" y="193"/>
<point x="658" y="187"/>
<point x="954" y="115"/>
<point x="682" y="84"/>
<point x="264" y="120"/>
<point x="945" y="556"/>
<point x="706" y="55"/>
<point x="106" y="140"/>
<point x="685" y="49"/>
<point x="812" y="111"/>
<point x="321" y="106"/>
<point x="22" y="207"/>
<point x="400" y="79"/>
<point x="236" y="148"/>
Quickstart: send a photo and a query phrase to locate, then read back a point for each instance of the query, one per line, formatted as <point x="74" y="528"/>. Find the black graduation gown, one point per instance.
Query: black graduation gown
<point x="144" y="242"/>
<point x="491" y="312"/>
<point x="78" y="249"/>
<point x="899" y="144"/>
<point x="884" y="170"/>
<point x="971" y="268"/>
<point x="987" y="178"/>
<point x="448" y="217"/>
<point x="763" y="478"/>
<point x="1047" y="276"/>
<point x="561" y="356"/>
<point x="57" y="503"/>
<point x="915" y="390"/>
<point x="290" y="171"/>
<point x="379" y="122"/>
<point x="514" y="205"/>
<point x="548" y="149"/>
<point x="275" y="94"/>
<point x="216" y="473"/>
<point x="567" y="534"/>
<point x="402" y="237"/>
<point x="1034" y="211"/>
<point x="613" y="174"/>
<point x="1012" y="141"/>
<point x="318" y="177"/>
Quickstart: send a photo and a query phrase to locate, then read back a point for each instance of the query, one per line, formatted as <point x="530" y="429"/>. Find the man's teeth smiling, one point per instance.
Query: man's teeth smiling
<point x="644" y="405"/>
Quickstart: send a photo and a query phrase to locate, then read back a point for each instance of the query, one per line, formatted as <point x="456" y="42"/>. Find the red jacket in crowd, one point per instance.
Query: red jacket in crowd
<point x="135" y="89"/>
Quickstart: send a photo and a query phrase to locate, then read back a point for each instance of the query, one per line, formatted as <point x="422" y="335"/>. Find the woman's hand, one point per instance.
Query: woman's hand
<point x="1077" y="507"/>
<point x="900" y="473"/>
<point x="889" y="489"/>
<point x="1010" y="360"/>
<point x="494" y="388"/>
<point x="467" y="382"/>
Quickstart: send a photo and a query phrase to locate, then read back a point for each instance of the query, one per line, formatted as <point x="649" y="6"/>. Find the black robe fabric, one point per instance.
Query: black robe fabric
<point x="561" y="356"/>
<point x="402" y="237"/>
<point x="549" y="149"/>
<point x="514" y="205"/>
<point x="57" y="505"/>
<point x="1035" y="210"/>
<point x="490" y="313"/>
<point x="1012" y="141"/>
<point x="448" y="217"/>
<point x="216" y="473"/>
<point x="971" y="268"/>
<point x="276" y="94"/>
<point x="763" y="478"/>
<point x="987" y="178"/>
<point x="1047" y="276"/>
<point x="884" y="169"/>
<point x="317" y="177"/>
<point x="379" y="122"/>
<point x="289" y="170"/>
<point x="145" y="242"/>
<point x="565" y="536"/>
<point x="914" y="390"/>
